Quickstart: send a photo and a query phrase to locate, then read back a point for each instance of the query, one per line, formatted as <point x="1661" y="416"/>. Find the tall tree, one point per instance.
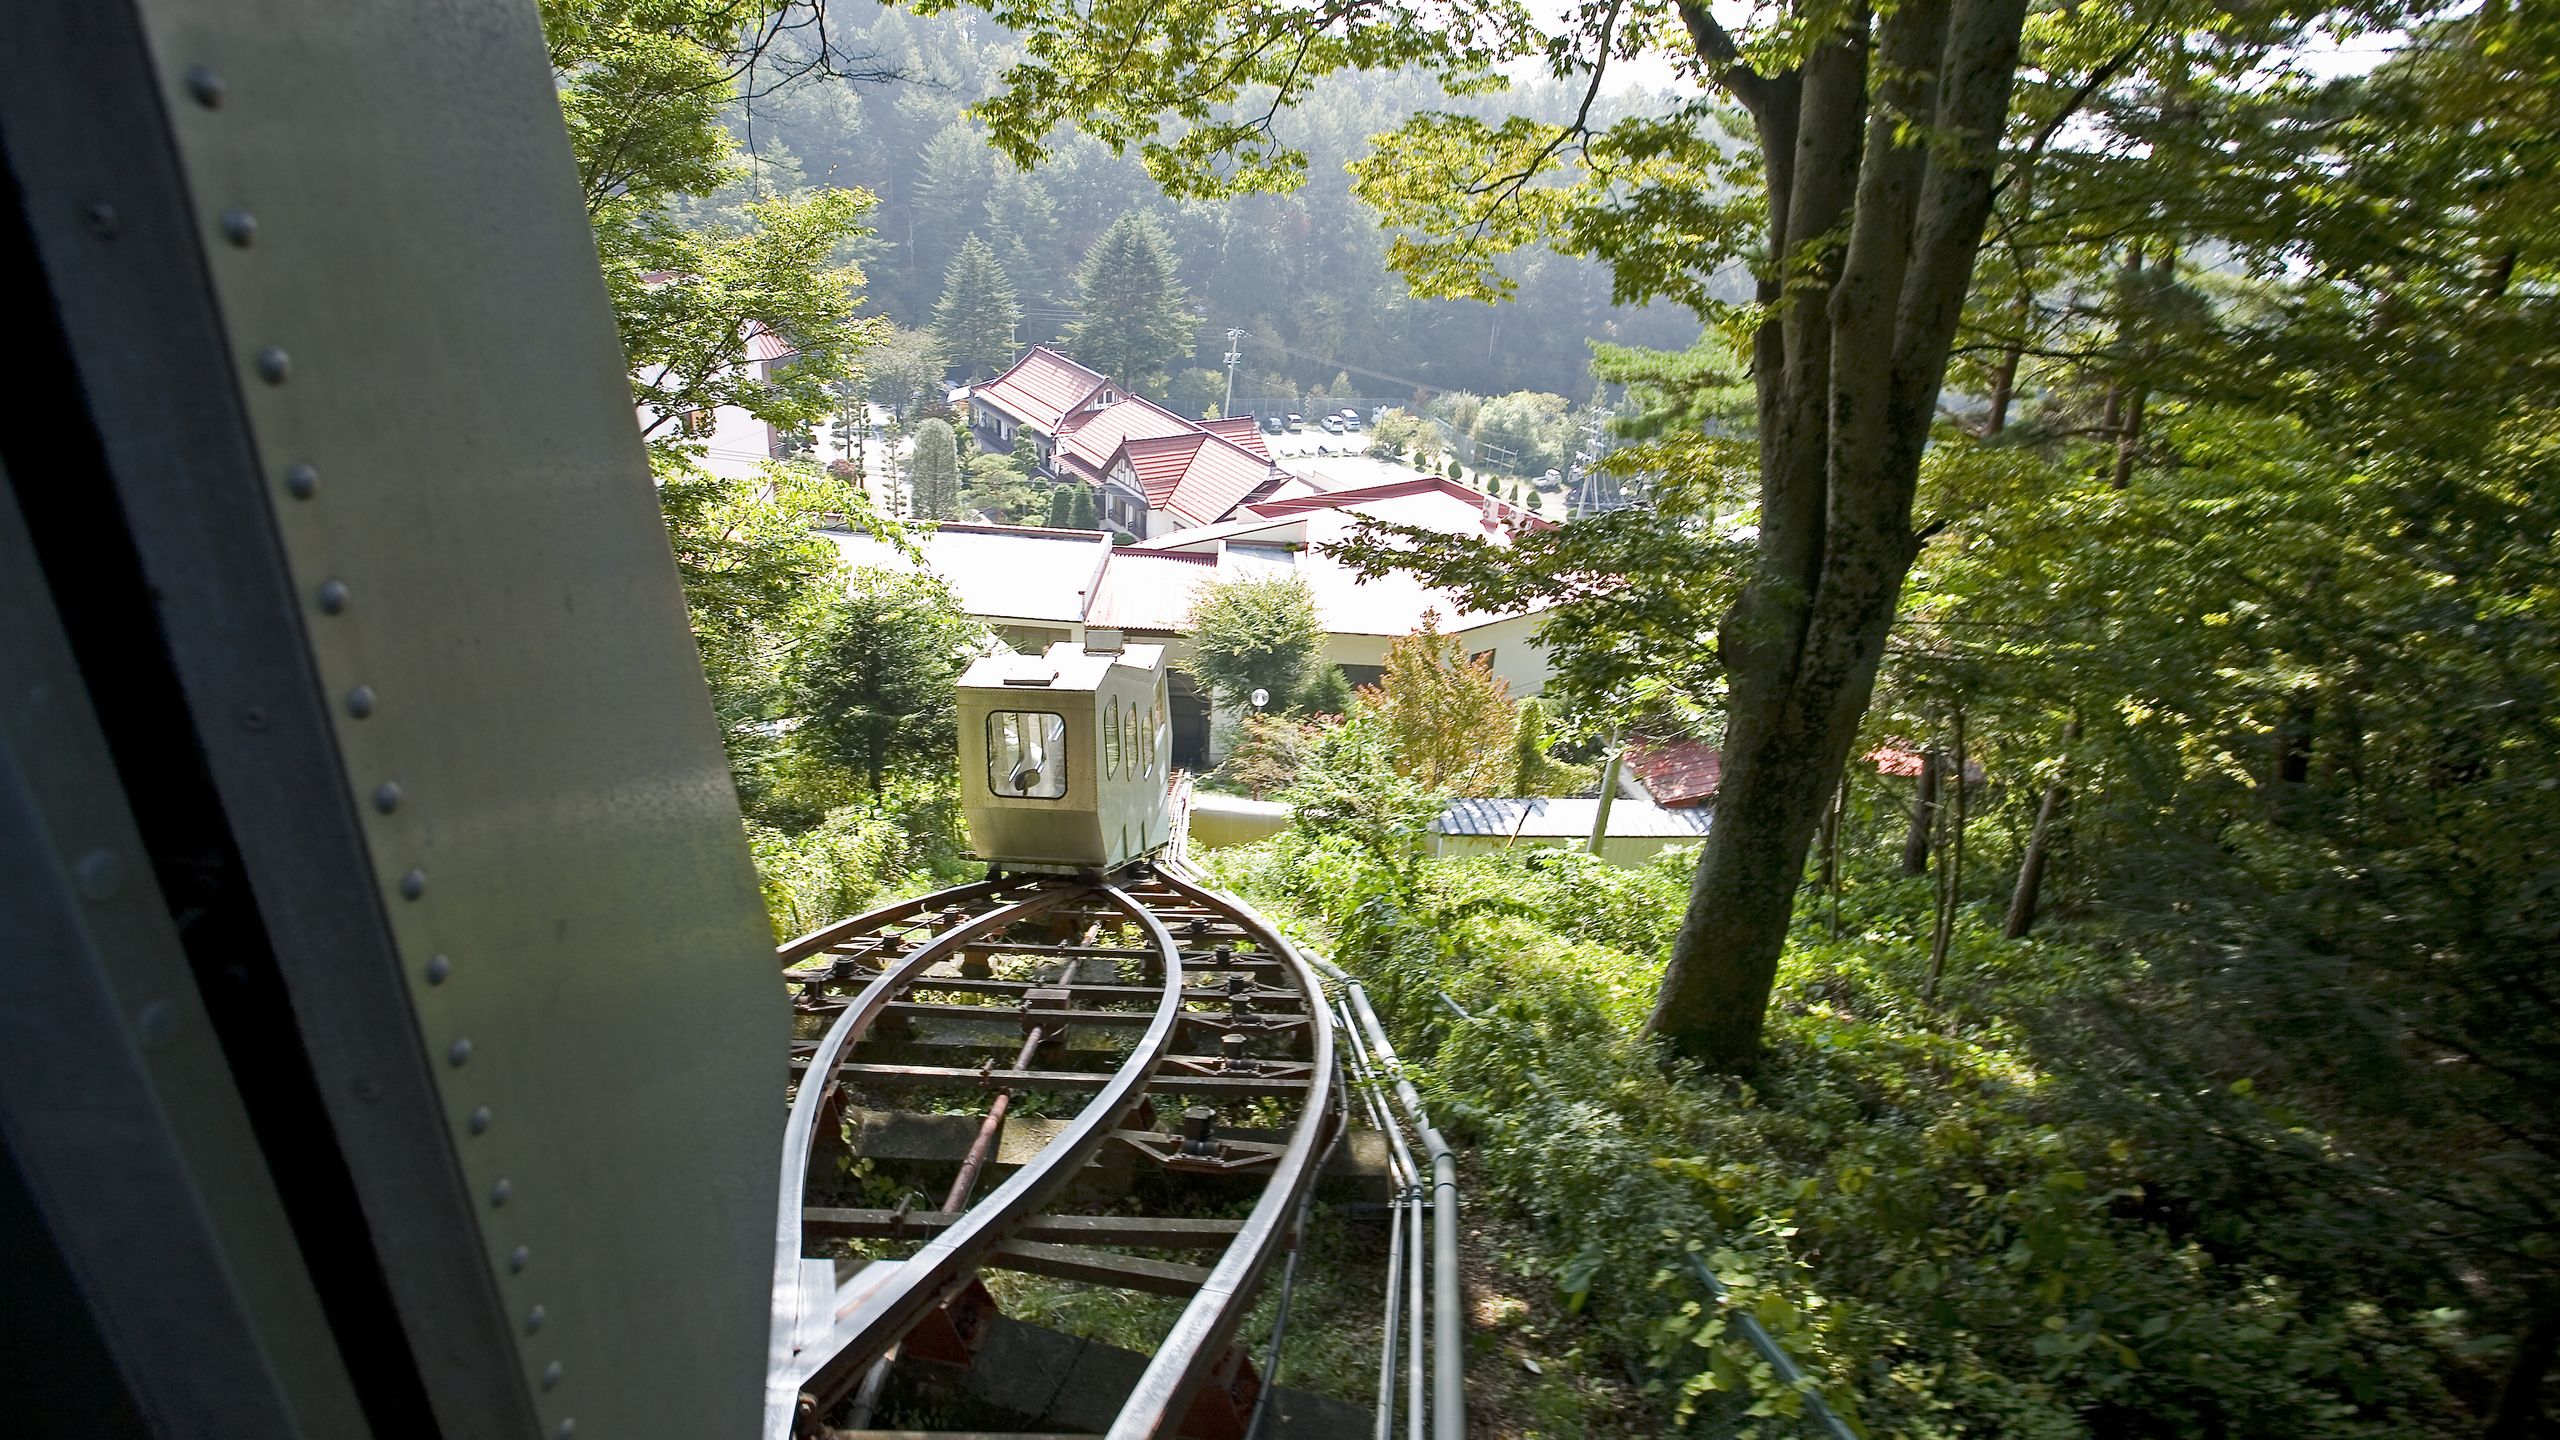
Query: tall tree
<point x="641" y="96"/>
<point x="933" y="475"/>
<point x="1022" y="228"/>
<point x="1255" y="633"/>
<point x="875" y="688"/>
<point x="978" y="311"/>
<point x="949" y="192"/>
<point x="1135" y="324"/>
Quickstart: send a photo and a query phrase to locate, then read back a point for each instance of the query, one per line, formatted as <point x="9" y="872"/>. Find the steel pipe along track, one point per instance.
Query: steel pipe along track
<point x="1190" y="1051"/>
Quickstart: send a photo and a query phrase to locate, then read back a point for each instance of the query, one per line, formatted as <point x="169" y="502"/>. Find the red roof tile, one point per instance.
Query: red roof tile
<point x="1042" y="389"/>
<point x="1087" y="439"/>
<point x="1677" y="772"/>
<point x="1242" y="430"/>
<point x="1161" y="461"/>
<point x="1221" y="474"/>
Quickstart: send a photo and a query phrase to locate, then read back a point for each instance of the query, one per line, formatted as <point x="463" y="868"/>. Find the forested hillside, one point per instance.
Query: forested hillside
<point x="1303" y="273"/>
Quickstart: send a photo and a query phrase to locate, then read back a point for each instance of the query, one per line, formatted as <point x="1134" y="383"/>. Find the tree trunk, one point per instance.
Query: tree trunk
<point x="2023" y="900"/>
<point x="1924" y="816"/>
<point x="1874" y="228"/>
<point x="1831" y="870"/>
<point x="2517" y="1411"/>
<point x="1951" y="884"/>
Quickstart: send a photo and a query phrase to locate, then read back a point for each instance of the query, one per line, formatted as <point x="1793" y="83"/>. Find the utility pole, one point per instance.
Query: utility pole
<point x="1234" y="354"/>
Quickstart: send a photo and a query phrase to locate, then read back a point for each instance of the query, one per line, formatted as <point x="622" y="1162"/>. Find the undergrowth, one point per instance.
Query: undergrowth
<point x="1954" y="1227"/>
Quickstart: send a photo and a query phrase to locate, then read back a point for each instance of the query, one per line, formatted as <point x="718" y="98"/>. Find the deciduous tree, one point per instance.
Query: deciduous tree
<point x="1254" y="633"/>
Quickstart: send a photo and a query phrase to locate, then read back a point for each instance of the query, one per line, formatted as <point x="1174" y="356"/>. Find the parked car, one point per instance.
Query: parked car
<point x="1350" y="418"/>
<point x="1271" y="425"/>
<point x="1297" y="423"/>
<point x="1333" y="424"/>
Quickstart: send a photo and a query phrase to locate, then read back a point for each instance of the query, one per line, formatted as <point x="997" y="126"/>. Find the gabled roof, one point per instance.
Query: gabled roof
<point x="1677" y="773"/>
<point x="1042" y="388"/>
<point x="1160" y="462"/>
<point x="1242" y="430"/>
<point x="1087" y="439"/>
<point x="1218" y="479"/>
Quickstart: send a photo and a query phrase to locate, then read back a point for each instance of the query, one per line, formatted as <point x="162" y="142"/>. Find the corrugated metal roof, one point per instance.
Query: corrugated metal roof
<point x="1151" y="593"/>
<point x="1041" y="388"/>
<point x="1546" y="819"/>
<point x="1001" y="572"/>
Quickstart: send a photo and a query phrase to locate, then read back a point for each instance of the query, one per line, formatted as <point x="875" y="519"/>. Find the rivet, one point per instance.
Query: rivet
<point x="413" y="884"/>
<point x="100" y="874"/>
<point x="500" y="1192"/>
<point x="156" y="1025"/>
<point x="518" y="1258"/>
<point x="459" y="1051"/>
<point x="551" y="1375"/>
<point x="533" y="1319"/>
<point x="439" y="968"/>
<point x="301" y="481"/>
<point x="102" y="220"/>
<point x="360" y="701"/>
<point x="239" y="227"/>
<point x="274" y="366"/>
<point x="386" y="797"/>
<point x="206" y="86"/>
<point x="333" y="596"/>
<point x="480" y="1121"/>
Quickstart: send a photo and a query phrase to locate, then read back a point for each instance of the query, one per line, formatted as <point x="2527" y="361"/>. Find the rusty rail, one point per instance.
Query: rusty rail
<point x="1212" y="970"/>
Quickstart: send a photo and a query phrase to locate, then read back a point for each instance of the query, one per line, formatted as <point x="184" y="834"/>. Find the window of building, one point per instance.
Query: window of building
<point x="1112" y="763"/>
<point x="1149" y="740"/>
<point x="1483" y="657"/>
<point x="1027" y="754"/>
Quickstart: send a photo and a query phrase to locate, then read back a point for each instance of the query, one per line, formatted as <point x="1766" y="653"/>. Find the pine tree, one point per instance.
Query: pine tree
<point x="950" y="186"/>
<point x="1022" y="228"/>
<point x="1062" y="508"/>
<point x="1088" y="514"/>
<point x="1135" y="324"/>
<point x="978" y="311"/>
<point x="934" y="473"/>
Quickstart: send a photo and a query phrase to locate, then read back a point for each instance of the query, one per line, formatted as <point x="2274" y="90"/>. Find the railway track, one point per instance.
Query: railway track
<point x="1177" y="1034"/>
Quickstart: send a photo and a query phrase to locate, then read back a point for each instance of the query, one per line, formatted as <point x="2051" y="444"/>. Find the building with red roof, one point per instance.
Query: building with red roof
<point x="1154" y="471"/>
<point x="1037" y="586"/>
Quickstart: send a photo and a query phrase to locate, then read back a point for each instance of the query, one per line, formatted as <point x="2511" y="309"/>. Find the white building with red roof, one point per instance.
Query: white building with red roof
<point x="1154" y="471"/>
<point x="1036" y="586"/>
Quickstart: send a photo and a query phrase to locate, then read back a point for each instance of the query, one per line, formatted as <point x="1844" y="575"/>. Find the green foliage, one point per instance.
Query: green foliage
<point x="1135" y="322"/>
<point x="1254" y="633"/>
<point x="978" y="311"/>
<point x="876" y="686"/>
<point x="904" y="369"/>
<point x="1328" y="692"/>
<point x="1955" y="1237"/>
<point x="997" y="489"/>
<point x="1527" y="433"/>
<point x="1444" y="715"/>
<point x="1270" y="753"/>
<point x="1400" y="432"/>
<point x="934" y="472"/>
